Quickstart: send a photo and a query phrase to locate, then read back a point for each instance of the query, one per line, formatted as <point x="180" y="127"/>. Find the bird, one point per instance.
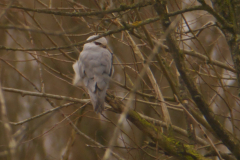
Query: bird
<point x="93" y="70"/>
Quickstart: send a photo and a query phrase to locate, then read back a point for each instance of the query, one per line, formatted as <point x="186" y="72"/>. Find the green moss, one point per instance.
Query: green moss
<point x="168" y="144"/>
<point x="143" y="121"/>
<point x="136" y="23"/>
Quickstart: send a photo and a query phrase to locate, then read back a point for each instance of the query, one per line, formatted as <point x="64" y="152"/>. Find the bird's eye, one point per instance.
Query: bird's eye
<point x="97" y="43"/>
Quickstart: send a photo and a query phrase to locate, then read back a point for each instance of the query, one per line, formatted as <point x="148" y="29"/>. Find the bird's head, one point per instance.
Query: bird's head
<point x="102" y="42"/>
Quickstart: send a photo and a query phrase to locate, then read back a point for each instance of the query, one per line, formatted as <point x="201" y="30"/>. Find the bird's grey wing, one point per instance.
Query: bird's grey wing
<point x="97" y="68"/>
<point x="104" y="70"/>
<point x="111" y="69"/>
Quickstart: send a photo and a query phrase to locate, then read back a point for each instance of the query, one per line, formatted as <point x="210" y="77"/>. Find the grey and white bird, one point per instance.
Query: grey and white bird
<point x="93" y="71"/>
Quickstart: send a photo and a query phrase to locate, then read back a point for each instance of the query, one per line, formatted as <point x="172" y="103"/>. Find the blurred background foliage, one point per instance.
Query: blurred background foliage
<point x="31" y="59"/>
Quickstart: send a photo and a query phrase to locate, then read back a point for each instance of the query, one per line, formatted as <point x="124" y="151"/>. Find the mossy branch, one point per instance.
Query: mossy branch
<point x="168" y="144"/>
<point x="227" y="138"/>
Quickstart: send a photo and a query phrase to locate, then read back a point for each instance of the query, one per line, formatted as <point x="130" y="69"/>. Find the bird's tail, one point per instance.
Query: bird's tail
<point x="98" y="99"/>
